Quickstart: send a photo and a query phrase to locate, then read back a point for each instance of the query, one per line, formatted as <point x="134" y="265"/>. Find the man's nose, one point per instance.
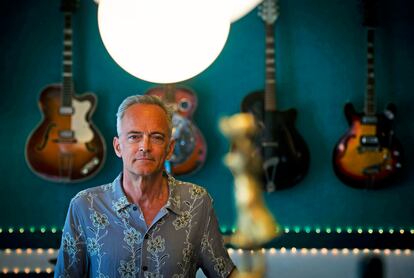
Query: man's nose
<point x="145" y="144"/>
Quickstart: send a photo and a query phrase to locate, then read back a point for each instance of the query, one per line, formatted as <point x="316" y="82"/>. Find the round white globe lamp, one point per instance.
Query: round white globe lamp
<point x="163" y="41"/>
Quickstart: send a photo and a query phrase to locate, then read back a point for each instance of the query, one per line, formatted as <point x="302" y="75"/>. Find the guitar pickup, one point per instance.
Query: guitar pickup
<point x="369" y="120"/>
<point x="369" y="140"/>
<point x="66" y="134"/>
<point x="270" y="144"/>
<point x="66" y="110"/>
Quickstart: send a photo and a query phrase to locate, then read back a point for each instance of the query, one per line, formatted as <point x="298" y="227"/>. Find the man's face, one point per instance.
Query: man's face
<point x="144" y="143"/>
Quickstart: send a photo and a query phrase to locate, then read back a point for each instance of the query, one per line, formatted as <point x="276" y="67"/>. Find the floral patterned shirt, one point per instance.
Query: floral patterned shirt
<point x="106" y="236"/>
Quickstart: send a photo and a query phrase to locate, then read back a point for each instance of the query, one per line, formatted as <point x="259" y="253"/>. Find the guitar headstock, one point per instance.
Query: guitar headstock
<point x="369" y="12"/>
<point x="69" y="6"/>
<point x="269" y="11"/>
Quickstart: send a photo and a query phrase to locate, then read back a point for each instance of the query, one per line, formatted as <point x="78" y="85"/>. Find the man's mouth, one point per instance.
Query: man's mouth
<point x="144" y="159"/>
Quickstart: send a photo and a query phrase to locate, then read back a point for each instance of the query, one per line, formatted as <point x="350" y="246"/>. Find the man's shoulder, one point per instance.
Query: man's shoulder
<point x="189" y="190"/>
<point x="94" y="192"/>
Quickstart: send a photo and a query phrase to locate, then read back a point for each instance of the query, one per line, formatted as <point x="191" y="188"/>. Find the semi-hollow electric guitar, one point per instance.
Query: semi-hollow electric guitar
<point x="284" y="152"/>
<point x="368" y="155"/>
<point x="65" y="146"/>
<point x="190" y="148"/>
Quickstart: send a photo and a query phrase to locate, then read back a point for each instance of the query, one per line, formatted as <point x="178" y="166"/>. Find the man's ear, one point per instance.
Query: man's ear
<point x="170" y="149"/>
<point x="117" y="147"/>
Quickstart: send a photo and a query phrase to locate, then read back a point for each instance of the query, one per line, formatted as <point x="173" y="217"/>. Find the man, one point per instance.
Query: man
<point x="145" y="223"/>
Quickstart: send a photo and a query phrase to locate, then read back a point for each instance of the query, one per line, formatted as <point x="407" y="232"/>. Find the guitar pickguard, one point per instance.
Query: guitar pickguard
<point x="79" y="124"/>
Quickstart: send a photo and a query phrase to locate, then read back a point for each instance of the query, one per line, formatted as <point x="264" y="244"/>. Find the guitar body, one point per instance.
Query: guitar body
<point x="190" y="148"/>
<point x="285" y="154"/>
<point x="65" y="147"/>
<point x="368" y="155"/>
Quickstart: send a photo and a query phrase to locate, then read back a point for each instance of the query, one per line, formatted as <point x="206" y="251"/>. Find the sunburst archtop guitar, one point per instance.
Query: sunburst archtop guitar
<point x="65" y="146"/>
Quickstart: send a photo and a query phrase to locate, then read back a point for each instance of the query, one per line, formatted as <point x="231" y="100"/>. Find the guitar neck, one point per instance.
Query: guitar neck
<point x="67" y="63"/>
<point x="169" y="92"/>
<point x="270" y="85"/>
<point x="369" y="107"/>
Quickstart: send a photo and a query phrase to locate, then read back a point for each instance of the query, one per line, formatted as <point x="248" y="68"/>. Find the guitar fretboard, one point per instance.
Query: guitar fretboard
<point x="270" y="85"/>
<point x="369" y="107"/>
<point x="67" y="63"/>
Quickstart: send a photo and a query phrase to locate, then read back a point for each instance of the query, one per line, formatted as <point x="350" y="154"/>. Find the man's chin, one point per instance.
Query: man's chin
<point x="146" y="172"/>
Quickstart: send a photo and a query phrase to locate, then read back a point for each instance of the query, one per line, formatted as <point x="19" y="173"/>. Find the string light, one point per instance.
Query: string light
<point x="271" y="251"/>
<point x="227" y="230"/>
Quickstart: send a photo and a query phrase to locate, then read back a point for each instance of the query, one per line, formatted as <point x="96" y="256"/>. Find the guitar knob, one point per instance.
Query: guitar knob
<point x="184" y="105"/>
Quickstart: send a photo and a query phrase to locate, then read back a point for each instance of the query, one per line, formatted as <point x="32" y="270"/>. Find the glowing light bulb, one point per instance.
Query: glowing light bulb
<point x="239" y="8"/>
<point x="163" y="41"/>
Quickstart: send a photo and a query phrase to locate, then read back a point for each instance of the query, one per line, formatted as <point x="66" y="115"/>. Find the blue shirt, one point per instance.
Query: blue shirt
<point x="106" y="236"/>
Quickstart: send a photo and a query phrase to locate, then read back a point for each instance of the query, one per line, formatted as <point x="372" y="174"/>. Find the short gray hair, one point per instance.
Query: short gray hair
<point x="143" y="99"/>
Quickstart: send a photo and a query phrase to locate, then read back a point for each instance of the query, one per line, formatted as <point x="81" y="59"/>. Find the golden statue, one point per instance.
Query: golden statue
<point x="255" y="224"/>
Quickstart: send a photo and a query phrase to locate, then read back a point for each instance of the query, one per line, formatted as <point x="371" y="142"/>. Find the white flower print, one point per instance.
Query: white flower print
<point x="120" y="203"/>
<point x="197" y="192"/>
<point x="156" y="245"/>
<point x="92" y="246"/>
<point x="220" y="266"/>
<point x="132" y="236"/>
<point x="107" y="187"/>
<point x="69" y="244"/>
<point x="127" y="269"/>
<point x="182" y="221"/>
<point x="99" y="220"/>
<point x="204" y="242"/>
<point x="187" y="253"/>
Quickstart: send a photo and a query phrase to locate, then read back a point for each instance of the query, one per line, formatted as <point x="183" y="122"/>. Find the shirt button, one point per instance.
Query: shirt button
<point x="145" y="268"/>
<point x="134" y="208"/>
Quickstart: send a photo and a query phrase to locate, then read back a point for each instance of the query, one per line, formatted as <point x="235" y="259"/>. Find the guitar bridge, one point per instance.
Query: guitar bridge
<point x="372" y="170"/>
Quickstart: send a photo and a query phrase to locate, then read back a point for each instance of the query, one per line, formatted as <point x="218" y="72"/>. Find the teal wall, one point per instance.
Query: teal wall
<point x="320" y="46"/>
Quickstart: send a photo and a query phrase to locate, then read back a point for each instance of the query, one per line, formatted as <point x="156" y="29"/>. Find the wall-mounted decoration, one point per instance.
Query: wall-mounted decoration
<point x="368" y="155"/>
<point x="190" y="147"/>
<point x="285" y="153"/>
<point x="65" y="146"/>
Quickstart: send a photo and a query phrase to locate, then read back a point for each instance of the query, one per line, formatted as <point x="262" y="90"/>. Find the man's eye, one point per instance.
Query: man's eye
<point x="157" y="139"/>
<point x="133" y="137"/>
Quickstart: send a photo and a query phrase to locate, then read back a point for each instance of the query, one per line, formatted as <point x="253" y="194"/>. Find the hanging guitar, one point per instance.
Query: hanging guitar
<point x="190" y="148"/>
<point x="65" y="146"/>
<point x="368" y="155"/>
<point x="284" y="152"/>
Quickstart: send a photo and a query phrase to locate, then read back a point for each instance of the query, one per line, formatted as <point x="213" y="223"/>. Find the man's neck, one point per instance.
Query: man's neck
<point x="150" y="193"/>
<point x="145" y="189"/>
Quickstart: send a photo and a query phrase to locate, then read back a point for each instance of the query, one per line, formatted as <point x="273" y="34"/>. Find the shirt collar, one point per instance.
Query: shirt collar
<point x="173" y="203"/>
<point x="174" y="199"/>
<point x="120" y="198"/>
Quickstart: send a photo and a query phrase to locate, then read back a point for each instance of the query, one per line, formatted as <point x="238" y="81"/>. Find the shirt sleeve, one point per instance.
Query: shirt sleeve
<point x="214" y="258"/>
<point x="71" y="260"/>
